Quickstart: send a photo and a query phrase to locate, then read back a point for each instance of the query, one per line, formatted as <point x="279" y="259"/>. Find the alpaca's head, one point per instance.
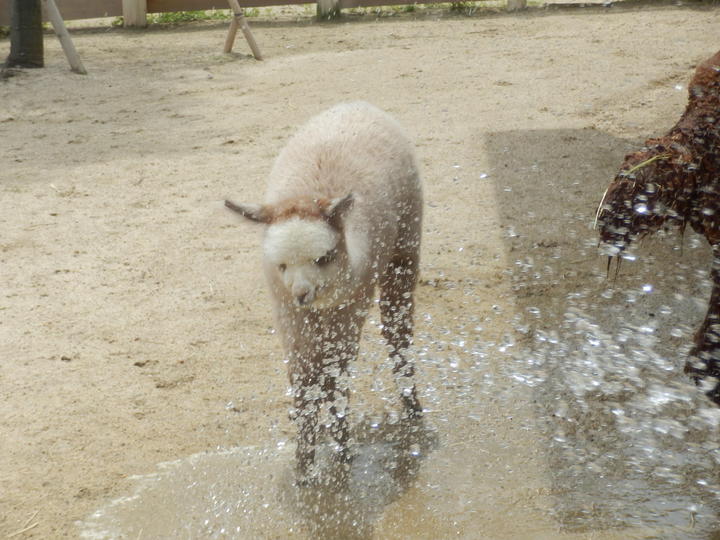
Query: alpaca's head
<point x="305" y="247"/>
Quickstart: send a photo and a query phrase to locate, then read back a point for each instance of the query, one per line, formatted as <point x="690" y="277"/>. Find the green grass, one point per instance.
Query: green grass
<point x="189" y="16"/>
<point x="467" y="8"/>
<point x="383" y="11"/>
<point x="178" y="17"/>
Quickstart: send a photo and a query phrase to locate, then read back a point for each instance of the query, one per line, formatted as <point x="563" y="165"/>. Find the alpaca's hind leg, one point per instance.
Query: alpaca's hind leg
<point x="396" y="310"/>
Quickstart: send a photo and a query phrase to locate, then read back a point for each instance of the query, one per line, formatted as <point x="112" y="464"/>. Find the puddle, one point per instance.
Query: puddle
<point x="249" y="493"/>
<point x="489" y="463"/>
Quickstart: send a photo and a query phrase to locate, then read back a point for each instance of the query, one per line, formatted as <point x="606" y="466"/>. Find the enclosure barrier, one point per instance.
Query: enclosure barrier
<point x="134" y="11"/>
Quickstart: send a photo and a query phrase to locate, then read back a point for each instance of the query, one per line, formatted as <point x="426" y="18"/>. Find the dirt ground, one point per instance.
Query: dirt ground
<point x="134" y="323"/>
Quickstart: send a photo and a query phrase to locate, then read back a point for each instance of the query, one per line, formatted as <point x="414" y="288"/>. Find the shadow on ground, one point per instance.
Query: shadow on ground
<point x="631" y="442"/>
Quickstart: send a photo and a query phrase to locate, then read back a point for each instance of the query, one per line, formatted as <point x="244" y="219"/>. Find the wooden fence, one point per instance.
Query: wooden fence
<point x="134" y="10"/>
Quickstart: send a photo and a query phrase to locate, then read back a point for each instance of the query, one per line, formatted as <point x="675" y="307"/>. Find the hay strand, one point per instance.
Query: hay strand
<point x="27" y="526"/>
<point x="645" y="164"/>
<point x="23" y="530"/>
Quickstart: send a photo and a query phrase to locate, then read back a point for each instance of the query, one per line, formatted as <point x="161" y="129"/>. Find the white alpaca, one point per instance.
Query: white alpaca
<point x="343" y="212"/>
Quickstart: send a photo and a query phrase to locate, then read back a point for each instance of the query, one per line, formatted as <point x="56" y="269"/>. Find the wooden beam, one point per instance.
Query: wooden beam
<point x="64" y="36"/>
<point x="135" y="12"/>
<point x="91" y="9"/>
<point x="230" y="38"/>
<point x="239" y="21"/>
<point x="167" y="6"/>
<point x="72" y="10"/>
<point x="327" y="9"/>
<point x="349" y="4"/>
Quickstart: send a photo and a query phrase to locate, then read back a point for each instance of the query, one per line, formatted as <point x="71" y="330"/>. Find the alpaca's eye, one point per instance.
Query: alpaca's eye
<point x="282" y="267"/>
<point x="327" y="258"/>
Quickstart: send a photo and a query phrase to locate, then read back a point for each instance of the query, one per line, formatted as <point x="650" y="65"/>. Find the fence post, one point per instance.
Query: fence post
<point x="327" y="9"/>
<point x="134" y="12"/>
<point x="515" y="5"/>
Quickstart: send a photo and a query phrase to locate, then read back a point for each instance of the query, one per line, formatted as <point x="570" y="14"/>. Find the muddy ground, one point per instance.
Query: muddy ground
<point x="134" y="323"/>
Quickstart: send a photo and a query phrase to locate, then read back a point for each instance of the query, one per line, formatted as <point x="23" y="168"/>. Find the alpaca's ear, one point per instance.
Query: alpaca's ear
<point x="253" y="212"/>
<point x="339" y="208"/>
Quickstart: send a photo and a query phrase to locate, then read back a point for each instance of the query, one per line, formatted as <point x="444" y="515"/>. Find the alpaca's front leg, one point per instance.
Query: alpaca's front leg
<point x="305" y="417"/>
<point x="396" y="311"/>
<point x="337" y="394"/>
<point x="704" y="360"/>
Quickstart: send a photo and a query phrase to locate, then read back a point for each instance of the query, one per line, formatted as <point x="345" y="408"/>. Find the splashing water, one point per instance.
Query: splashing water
<point x="631" y="441"/>
<point x="575" y="416"/>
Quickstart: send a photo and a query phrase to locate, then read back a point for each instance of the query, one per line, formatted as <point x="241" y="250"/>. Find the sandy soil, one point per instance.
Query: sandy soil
<point x="134" y="324"/>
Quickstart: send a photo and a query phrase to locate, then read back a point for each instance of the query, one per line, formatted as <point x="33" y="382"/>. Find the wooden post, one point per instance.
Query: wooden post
<point x="64" y="36"/>
<point x="239" y="21"/>
<point x="134" y="12"/>
<point x="327" y="9"/>
<point x="516" y="5"/>
<point x="230" y="39"/>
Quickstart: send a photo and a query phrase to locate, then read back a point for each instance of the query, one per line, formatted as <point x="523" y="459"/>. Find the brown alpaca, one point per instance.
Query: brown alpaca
<point x="675" y="180"/>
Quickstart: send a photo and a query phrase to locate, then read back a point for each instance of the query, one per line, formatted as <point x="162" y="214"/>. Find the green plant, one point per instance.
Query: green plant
<point x="4" y="31"/>
<point x="176" y="17"/>
<point x="466" y="8"/>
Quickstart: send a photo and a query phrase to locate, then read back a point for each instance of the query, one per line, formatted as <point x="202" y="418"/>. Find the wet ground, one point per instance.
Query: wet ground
<point x="581" y="364"/>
